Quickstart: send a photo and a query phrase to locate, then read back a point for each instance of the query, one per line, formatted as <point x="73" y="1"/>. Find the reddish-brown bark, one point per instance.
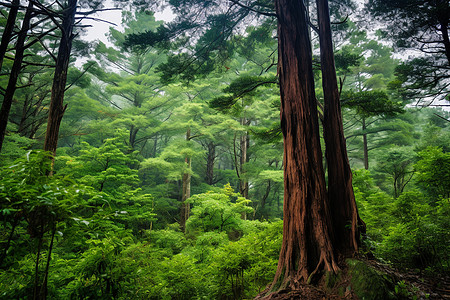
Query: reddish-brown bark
<point x="307" y="245"/>
<point x="57" y="108"/>
<point x="340" y="190"/>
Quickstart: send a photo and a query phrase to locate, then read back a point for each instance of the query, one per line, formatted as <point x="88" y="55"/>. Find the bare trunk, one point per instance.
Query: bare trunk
<point x="243" y="182"/>
<point x="365" y="146"/>
<point x="44" y="288"/>
<point x="7" y="33"/>
<point x="340" y="190"/>
<point x="185" y="207"/>
<point x="57" y="108"/>
<point x="15" y="71"/>
<point x="210" y="159"/>
<point x="306" y="248"/>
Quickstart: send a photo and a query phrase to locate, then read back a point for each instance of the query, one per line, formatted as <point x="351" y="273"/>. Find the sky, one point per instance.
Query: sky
<point x="99" y="29"/>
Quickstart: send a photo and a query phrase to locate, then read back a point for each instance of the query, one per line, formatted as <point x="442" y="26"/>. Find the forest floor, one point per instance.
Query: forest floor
<point x="410" y="285"/>
<point x="436" y="287"/>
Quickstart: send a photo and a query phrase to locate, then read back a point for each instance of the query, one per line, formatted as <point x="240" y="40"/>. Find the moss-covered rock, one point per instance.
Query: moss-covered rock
<point x="368" y="283"/>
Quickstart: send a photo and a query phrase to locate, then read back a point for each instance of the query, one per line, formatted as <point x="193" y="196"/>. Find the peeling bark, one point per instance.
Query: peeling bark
<point x="307" y="247"/>
<point x="344" y="212"/>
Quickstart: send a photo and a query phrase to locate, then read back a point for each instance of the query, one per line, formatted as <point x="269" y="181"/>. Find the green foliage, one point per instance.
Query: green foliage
<point x="146" y="117"/>
<point x="433" y="172"/>
<point x="372" y="103"/>
<point x="217" y="211"/>
<point x="108" y="168"/>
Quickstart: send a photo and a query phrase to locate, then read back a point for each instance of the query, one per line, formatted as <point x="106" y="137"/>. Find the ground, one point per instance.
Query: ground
<point x="370" y="280"/>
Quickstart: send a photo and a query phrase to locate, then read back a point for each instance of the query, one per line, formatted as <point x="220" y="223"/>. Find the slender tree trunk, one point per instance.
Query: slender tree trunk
<point x="365" y="146"/>
<point x="57" y="108"/>
<point x="10" y="236"/>
<point x="44" y="288"/>
<point x="133" y="134"/>
<point x="9" y="27"/>
<point x="185" y="207"/>
<point x="36" y="268"/>
<point x="306" y="247"/>
<point x="243" y="182"/>
<point x="15" y="71"/>
<point x="210" y="159"/>
<point x="340" y="190"/>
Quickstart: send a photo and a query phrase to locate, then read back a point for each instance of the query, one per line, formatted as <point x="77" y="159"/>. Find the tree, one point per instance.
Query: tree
<point x="340" y="189"/>
<point x="308" y="244"/>
<point x="420" y="25"/>
<point x="133" y="89"/>
<point x="8" y="31"/>
<point x="17" y="65"/>
<point x="57" y="108"/>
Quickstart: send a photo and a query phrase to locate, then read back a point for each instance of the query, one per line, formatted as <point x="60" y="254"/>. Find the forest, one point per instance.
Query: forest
<point x="245" y="149"/>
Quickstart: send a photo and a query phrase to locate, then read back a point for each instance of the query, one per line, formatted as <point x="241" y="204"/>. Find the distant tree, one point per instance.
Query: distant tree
<point x="15" y="71"/>
<point x="8" y="30"/>
<point x="421" y="25"/>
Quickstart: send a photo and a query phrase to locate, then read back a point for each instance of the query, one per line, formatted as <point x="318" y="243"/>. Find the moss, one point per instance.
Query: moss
<point x="331" y="279"/>
<point x="369" y="284"/>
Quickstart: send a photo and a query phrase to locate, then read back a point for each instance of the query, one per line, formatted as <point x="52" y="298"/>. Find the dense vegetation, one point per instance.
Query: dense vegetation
<point x="167" y="182"/>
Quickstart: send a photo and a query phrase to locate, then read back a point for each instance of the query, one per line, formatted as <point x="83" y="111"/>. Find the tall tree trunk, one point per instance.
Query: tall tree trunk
<point x="340" y="190"/>
<point x="210" y="159"/>
<point x="9" y="27"/>
<point x="365" y="146"/>
<point x="185" y="207"/>
<point x="306" y="247"/>
<point x="15" y="71"/>
<point x="57" y="108"/>
<point x="244" y="141"/>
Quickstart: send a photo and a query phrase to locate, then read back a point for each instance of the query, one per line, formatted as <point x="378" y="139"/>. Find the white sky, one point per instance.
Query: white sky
<point x="100" y="29"/>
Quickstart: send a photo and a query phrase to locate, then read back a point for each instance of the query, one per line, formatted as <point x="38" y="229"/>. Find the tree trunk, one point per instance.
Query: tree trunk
<point x="9" y="27"/>
<point x="443" y="18"/>
<point x="243" y="182"/>
<point x="57" y="108"/>
<point x="306" y="248"/>
<point x="210" y="159"/>
<point x="365" y="146"/>
<point x="185" y="207"/>
<point x="44" y="287"/>
<point x="15" y="71"/>
<point x="344" y="212"/>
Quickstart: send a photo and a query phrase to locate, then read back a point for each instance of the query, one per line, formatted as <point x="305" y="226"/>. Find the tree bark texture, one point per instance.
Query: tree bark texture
<point x="306" y="248"/>
<point x="15" y="71"/>
<point x="341" y="197"/>
<point x="57" y="108"/>
<point x="7" y="33"/>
